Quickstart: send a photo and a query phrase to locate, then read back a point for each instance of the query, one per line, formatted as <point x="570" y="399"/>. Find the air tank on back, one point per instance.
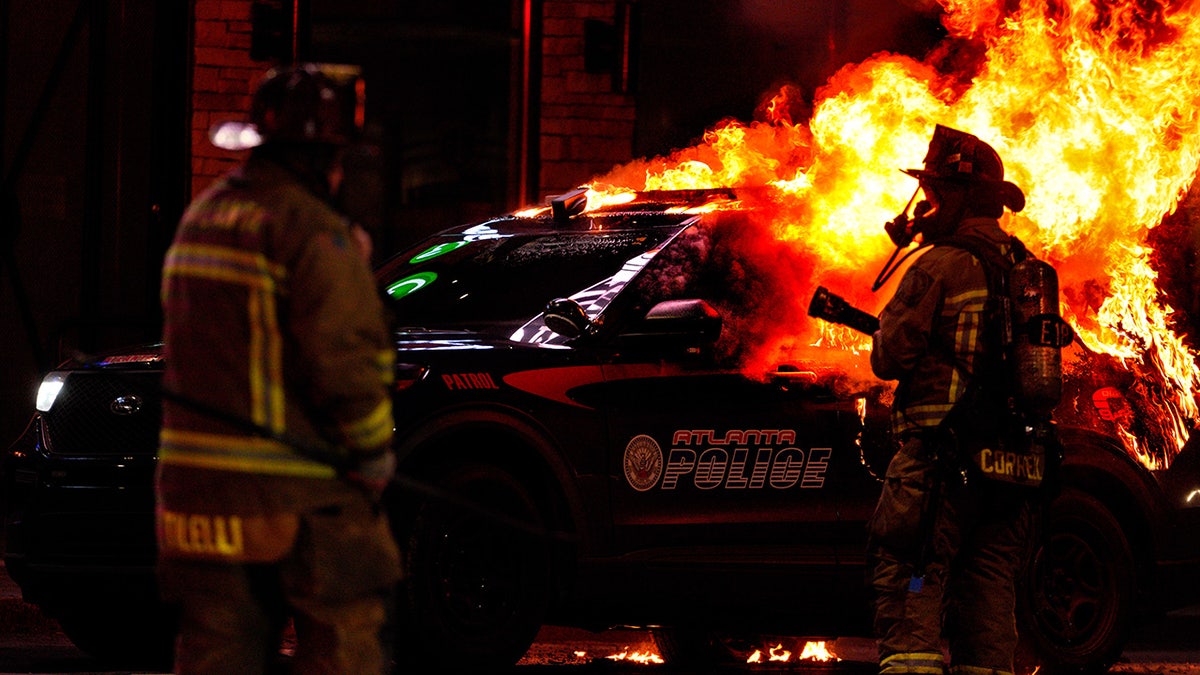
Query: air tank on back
<point x="1039" y="337"/>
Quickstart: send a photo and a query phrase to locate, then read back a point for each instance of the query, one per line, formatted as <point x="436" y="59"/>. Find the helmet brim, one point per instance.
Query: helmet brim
<point x="233" y="135"/>
<point x="1010" y="195"/>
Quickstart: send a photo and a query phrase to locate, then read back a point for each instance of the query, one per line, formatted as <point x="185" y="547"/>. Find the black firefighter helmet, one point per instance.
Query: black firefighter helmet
<point x="959" y="157"/>
<point x="306" y="103"/>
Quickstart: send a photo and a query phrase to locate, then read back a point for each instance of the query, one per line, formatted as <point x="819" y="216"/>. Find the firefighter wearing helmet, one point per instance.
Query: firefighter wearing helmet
<point x="948" y="535"/>
<point x="277" y="424"/>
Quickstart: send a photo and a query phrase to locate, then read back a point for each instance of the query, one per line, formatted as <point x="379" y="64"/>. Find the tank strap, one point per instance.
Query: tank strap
<point x="996" y="266"/>
<point x="995" y="263"/>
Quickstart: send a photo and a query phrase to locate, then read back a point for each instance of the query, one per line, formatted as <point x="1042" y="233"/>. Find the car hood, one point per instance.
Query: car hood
<point x="432" y="339"/>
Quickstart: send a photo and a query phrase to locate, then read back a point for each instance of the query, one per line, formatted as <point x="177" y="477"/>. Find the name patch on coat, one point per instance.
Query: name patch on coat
<point x="226" y="537"/>
<point x="1012" y="467"/>
<point x="201" y="534"/>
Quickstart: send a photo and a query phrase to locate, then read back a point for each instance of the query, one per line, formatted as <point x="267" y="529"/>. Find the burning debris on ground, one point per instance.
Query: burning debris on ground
<point x="765" y="653"/>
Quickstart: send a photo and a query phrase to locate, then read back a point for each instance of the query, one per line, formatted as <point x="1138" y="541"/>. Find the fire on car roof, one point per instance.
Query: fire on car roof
<point x="1096" y="114"/>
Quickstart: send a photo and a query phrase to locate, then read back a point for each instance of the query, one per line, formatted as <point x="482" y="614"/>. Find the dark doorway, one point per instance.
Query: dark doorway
<point x="443" y="101"/>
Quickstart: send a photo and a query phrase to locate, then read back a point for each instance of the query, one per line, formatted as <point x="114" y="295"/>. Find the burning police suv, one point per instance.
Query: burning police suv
<point x="597" y="425"/>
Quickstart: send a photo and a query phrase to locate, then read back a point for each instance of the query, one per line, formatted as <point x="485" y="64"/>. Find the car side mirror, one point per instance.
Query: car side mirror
<point x="566" y="317"/>
<point x="692" y="321"/>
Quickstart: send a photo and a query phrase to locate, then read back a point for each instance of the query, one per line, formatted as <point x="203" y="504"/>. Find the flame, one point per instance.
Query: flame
<point x="813" y="651"/>
<point x="608" y="197"/>
<point x="817" y="651"/>
<point x="532" y="212"/>
<point x="645" y="657"/>
<point x="1094" y="106"/>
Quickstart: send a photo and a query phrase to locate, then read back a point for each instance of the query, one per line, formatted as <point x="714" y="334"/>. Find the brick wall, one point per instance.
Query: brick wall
<point x="586" y="127"/>
<point x="223" y="77"/>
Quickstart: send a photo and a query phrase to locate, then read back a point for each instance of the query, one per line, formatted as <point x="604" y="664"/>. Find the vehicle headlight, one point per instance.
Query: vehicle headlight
<point x="48" y="390"/>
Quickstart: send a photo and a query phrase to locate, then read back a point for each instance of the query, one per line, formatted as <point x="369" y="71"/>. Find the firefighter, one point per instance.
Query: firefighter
<point x="944" y="544"/>
<point x="275" y="345"/>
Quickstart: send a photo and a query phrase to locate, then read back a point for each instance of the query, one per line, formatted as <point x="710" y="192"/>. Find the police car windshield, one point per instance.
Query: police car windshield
<point x="497" y="282"/>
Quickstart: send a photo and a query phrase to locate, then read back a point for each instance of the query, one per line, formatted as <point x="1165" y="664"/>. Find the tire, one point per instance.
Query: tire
<point x="1077" y="598"/>
<point x="120" y="633"/>
<point x="698" y="649"/>
<point x="476" y="589"/>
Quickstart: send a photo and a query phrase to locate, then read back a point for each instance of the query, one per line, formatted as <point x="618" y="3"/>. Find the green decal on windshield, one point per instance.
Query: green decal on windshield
<point x="411" y="284"/>
<point x="436" y="250"/>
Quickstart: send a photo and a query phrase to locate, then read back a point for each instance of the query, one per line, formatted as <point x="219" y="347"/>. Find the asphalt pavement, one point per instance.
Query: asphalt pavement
<point x="32" y="644"/>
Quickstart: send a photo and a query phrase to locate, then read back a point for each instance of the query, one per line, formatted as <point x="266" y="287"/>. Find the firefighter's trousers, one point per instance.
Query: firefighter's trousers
<point x="335" y="585"/>
<point x="945" y="556"/>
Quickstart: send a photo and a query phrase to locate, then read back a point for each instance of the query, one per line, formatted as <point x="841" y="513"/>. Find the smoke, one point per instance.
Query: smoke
<point x="761" y="286"/>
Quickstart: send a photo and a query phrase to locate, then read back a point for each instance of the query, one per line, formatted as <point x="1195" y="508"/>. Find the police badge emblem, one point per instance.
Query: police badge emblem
<point x="643" y="462"/>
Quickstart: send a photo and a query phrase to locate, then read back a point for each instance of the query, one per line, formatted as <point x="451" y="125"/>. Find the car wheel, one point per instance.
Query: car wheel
<point x="476" y="588"/>
<point x="120" y="634"/>
<point x="1076" y="602"/>
<point x="693" y="648"/>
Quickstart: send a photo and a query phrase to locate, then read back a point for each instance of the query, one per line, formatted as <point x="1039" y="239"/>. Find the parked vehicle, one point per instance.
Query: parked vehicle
<point x="579" y="445"/>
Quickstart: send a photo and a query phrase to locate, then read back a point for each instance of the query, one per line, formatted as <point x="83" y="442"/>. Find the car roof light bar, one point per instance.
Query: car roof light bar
<point x="569" y="203"/>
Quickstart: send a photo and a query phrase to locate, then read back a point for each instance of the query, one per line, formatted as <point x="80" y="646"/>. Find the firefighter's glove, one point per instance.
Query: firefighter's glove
<point x="375" y="473"/>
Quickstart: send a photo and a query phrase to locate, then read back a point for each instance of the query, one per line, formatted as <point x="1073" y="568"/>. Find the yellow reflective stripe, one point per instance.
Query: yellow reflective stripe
<point x="236" y="453"/>
<point x="274" y="359"/>
<point x="258" y="411"/>
<point x="200" y="271"/>
<point x="913" y="656"/>
<point x="221" y="263"/>
<point x="261" y="277"/>
<point x="919" y="416"/>
<point x="967" y="334"/>
<point x="225" y="256"/>
<point x="931" y="410"/>
<point x="168" y="455"/>
<point x="969" y="306"/>
<point x="373" y="430"/>
<point x="386" y="361"/>
<point x="265" y="354"/>
<point x="966" y="340"/>
<point x="957" y="388"/>
<point x="912" y="662"/>
<point x="967" y="301"/>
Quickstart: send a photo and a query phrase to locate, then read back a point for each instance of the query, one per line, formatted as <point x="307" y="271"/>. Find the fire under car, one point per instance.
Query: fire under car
<point x="584" y="441"/>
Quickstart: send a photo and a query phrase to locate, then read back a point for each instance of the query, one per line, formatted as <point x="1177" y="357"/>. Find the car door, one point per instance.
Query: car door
<point x="706" y="458"/>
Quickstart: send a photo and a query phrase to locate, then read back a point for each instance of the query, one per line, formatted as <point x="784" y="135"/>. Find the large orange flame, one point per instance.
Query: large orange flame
<point x="1095" y="108"/>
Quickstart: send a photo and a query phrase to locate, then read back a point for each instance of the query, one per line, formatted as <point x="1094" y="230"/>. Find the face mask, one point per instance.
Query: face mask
<point x="902" y="228"/>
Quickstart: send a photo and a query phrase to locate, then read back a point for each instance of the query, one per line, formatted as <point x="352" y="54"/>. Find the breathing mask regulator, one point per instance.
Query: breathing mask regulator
<point x="902" y="230"/>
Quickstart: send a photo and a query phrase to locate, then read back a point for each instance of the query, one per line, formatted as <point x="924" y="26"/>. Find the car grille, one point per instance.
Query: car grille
<point x="96" y="414"/>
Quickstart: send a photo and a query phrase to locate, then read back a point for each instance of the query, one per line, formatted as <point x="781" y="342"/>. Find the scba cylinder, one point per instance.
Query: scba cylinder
<point x="1039" y="335"/>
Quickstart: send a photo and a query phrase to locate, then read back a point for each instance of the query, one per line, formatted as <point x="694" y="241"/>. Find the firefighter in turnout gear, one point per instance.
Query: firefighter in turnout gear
<point x="946" y="540"/>
<point x="272" y="320"/>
